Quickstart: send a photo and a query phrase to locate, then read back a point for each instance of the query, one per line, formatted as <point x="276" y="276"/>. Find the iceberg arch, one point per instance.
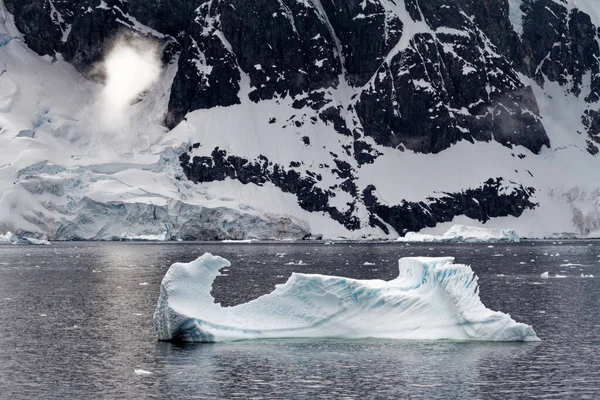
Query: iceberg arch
<point x="432" y="298"/>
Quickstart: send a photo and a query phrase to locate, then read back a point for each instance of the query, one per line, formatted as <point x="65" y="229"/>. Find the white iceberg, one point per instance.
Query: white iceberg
<point x="432" y="298"/>
<point x="467" y="234"/>
<point x="8" y="238"/>
<point x="144" y="238"/>
<point x="29" y="241"/>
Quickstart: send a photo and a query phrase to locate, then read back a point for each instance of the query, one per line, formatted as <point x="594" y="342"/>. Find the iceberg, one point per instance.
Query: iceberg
<point x="431" y="299"/>
<point x="30" y="241"/>
<point x="8" y="238"/>
<point x="466" y="234"/>
<point x="144" y="238"/>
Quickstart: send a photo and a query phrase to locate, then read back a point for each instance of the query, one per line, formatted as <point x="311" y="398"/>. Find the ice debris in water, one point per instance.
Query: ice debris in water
<point x="142" y="372"/>
<point x="545" y="275"/>
<point x="12" y="238"/>
<point x="8" y="237"/>
<point x="587" y="276"/>
<point x="468" y="234"/>
<point x="432" y="298"/>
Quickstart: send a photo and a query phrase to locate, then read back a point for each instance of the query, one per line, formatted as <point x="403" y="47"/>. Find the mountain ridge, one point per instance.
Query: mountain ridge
<point x="344" y="109"/>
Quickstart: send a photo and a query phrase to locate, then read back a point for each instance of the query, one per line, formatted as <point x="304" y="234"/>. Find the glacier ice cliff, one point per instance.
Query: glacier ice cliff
<point x="432" y="298"/>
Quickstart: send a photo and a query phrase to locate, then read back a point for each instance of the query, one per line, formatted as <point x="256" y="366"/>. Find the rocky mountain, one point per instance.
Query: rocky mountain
<point x="297" y="118"/>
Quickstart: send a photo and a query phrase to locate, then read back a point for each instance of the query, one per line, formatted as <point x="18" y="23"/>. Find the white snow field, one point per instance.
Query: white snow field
<point x="68" y="172"/>
<point x="466" y="234"/>
<point x="432" y="298"/>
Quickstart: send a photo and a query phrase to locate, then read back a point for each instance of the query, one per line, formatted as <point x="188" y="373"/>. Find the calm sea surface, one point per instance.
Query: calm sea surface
<point x="76" y="321"/>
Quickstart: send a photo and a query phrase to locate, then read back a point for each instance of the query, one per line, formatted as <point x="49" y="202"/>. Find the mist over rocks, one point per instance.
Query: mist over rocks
<point x="383" y="117"/>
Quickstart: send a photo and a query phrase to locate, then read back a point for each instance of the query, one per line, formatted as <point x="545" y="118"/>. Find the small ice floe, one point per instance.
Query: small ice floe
<point x="522" y="263"/>
<point x="241" y="241"/>
<point x="142" y="372"/>
<point x="545" y="275"/>
<point x="572" y="265"/>
<point x="43" y="315"/>
<point x="299" y="262"/>
<point x="587" y="276"/>
<point x="498" y="255"/>
<point x="137" y="314"/>
<point x="500" y="275"/>
<point x="560" y="276"/>
<point x="542" y="312"/>
<point x="490" y="247"/>
<point x="368" y="263"/>
<point x="280" y="255"/>
<point x="144" y="284"/>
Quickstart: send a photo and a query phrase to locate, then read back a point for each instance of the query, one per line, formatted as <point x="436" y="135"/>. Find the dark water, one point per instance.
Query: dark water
<point x="76" y="321"/>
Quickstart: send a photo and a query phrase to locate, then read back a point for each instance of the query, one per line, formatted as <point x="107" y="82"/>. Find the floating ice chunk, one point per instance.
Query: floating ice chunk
<point x="144" y="238"/>
<point x="587" y="276"/>
<point x="30" y="241"/>
<point x="142" y="372"/>
<point x="300" y="262"/>
<point x="8" y="238"/>
<point x="432" y="298"/>
<point x="368" y="263"/>
<point x="237" y="241"/>
<point x="469" y="234"/>
<point x="560" y="276"/>
<point x="144" y="284"/>
<point x="545" y="275"/>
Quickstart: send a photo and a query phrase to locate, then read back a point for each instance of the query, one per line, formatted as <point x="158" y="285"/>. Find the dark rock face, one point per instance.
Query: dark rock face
<point x="481" y="204"/>
<point x="417" y="75"/>
<point x="220" y="166"/>
<point x="453" y="81"/>
<point x="490" y="200"/>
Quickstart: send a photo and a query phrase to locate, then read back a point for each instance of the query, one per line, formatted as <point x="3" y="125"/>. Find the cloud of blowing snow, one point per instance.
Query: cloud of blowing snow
<point x="131" y="66"/>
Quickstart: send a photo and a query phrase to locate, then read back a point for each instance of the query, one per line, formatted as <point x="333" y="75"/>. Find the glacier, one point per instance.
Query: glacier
<point x="431" y="299"/>
<point x="466" y="234"/>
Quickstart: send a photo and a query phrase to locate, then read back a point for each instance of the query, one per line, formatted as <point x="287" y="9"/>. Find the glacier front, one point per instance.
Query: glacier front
<point x="431" y="299"/>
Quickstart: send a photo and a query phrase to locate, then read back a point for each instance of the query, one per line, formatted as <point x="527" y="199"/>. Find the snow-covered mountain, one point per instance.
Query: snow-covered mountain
<point x="292" y="118"/>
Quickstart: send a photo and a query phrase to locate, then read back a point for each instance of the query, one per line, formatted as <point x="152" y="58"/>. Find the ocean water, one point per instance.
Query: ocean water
<point x="76" y="322"/>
